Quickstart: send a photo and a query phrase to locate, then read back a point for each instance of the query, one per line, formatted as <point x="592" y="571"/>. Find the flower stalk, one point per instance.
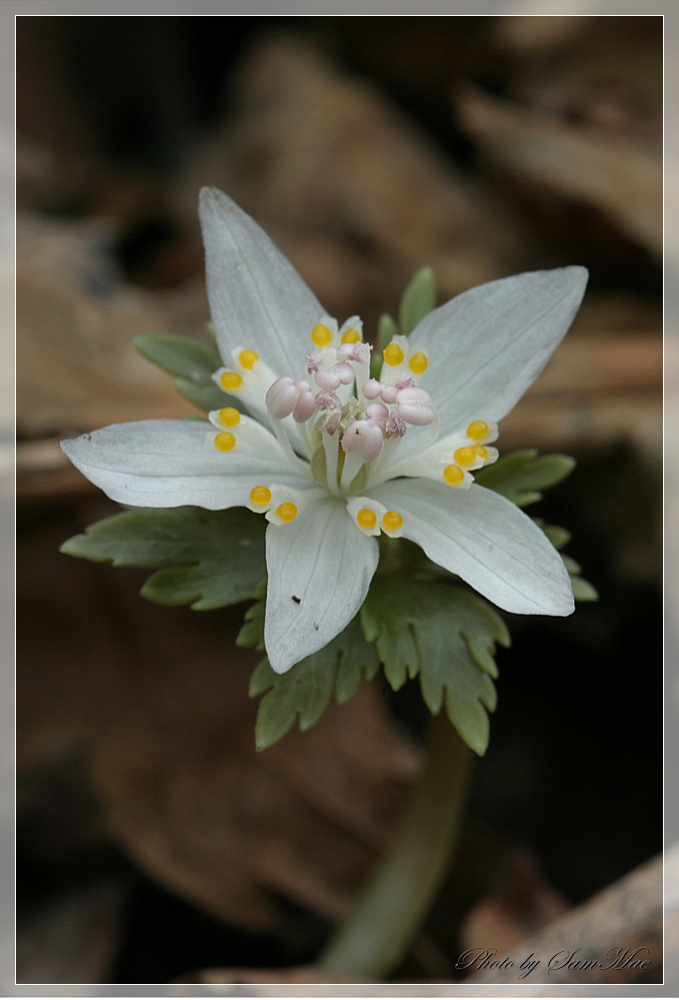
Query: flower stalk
<point x="370" y="945"/>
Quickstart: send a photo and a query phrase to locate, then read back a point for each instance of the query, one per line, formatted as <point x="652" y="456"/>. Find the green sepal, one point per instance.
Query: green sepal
<point x="444" y="634"/>
<point x="521" y="475"/>
<point x="192" y="362"/>
<point x="205" y="558"/>
<point x="418" y="300"/>
<point x="303" y="693"/>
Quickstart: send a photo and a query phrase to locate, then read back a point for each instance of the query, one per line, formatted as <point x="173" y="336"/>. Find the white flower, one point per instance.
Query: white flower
<point x="331" y="457"/>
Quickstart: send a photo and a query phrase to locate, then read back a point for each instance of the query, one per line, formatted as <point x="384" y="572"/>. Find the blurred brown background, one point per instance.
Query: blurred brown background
<point x="153" y="840"/>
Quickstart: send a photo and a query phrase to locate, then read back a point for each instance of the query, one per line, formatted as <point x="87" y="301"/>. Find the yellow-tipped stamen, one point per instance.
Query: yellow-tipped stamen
<point x="481" y="452"/>
<point x="453" y="475"/>
<point x="248" y="359"/>
<point x="465" y="456"/>
<point x="260" y="496"/>
<point x="393" y="355"/>
<point x="321" y="335"/>
<point x="366" y="518"/>
<point x="287" y="512"/>
<point x="477" y="430"/>
<point x="226" y="441"/>
<point x="230" y="381"/>
<point x="229" y="416"/>
<point x="351" y="337"/>
<point x="392" y="521"/>
<point x="418" y="363"/>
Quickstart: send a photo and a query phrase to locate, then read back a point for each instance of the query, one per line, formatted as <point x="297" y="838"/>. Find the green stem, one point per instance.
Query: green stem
<point x="373" y="941"/>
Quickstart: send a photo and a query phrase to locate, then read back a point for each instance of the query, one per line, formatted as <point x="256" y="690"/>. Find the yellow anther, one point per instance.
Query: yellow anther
<point x="392" y="520"/>
<point x="321" y="336"/>
<point x="226" y="441"/>
<point x="418" y="363"/>
<point x="477" y="430"/>
<point x="393" y="355"/>
<point x="260" y="496"/>
<point x="351" y="337"/>
<point x="480" y="451"/>
<point x="465" y="456"/>
<point x="230" y="381"/>
<point x="248" y="358"/>
<point x="366" y="518"/>
<point x="453" y="475"/>
<point x="229" y="416"/>
<point x="287" y="512"/>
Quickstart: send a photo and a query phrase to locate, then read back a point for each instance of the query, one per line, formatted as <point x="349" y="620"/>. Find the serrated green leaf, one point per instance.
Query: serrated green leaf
<point x="583" y="589"/>
<point x="192" y="362"/>
<point x="252" y="632"/>
<point x="559" y="537"/>
<point x="260" y="681"/>
<point x="521" y="475"/>
<point x="304" y="692"/>
<point x="206" y="558"/>
<point x="418" y="300"/>
<point x="444" y="634"/>
<point x="571" y="565"/>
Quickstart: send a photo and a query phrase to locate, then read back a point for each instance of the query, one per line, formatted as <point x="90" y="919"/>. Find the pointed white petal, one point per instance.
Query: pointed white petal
<point x="257" y="299"/>
<point x="169" y="463"/>
<point x="485" y="539"/>
<point x="489" y="344"/>
<point x="320" y="567"/>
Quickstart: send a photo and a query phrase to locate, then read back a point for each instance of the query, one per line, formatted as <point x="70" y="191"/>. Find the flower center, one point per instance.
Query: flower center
<point x="349" y="419"/>
<point x="350" y="427"/>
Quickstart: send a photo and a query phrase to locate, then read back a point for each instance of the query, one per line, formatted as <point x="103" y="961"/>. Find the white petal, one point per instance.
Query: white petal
<point x="257" y="299"/>
<point x="485" y="539"/>
<point x="320" y="567"/>
<point x="169" y="463"/>
<point x="489" y="344"/>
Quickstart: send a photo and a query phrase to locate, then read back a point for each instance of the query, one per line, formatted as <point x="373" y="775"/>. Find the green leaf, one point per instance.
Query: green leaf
<point x="205" y="558"/>
<point x="571" y="565"/>
<point x="252" y="632"/>
<point x="179" y="355"/>
<point x="559" y="537"/>
<point x="446" y="635"/>
<point x="206" y="396"/>
<point x="303" y="693"/>
<point x="583" y="589"/>
<point x="386" y="331"/>
<point x="522" y="475"/>
<point x="418" y="300"/>
<point x="192" y="362"/>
